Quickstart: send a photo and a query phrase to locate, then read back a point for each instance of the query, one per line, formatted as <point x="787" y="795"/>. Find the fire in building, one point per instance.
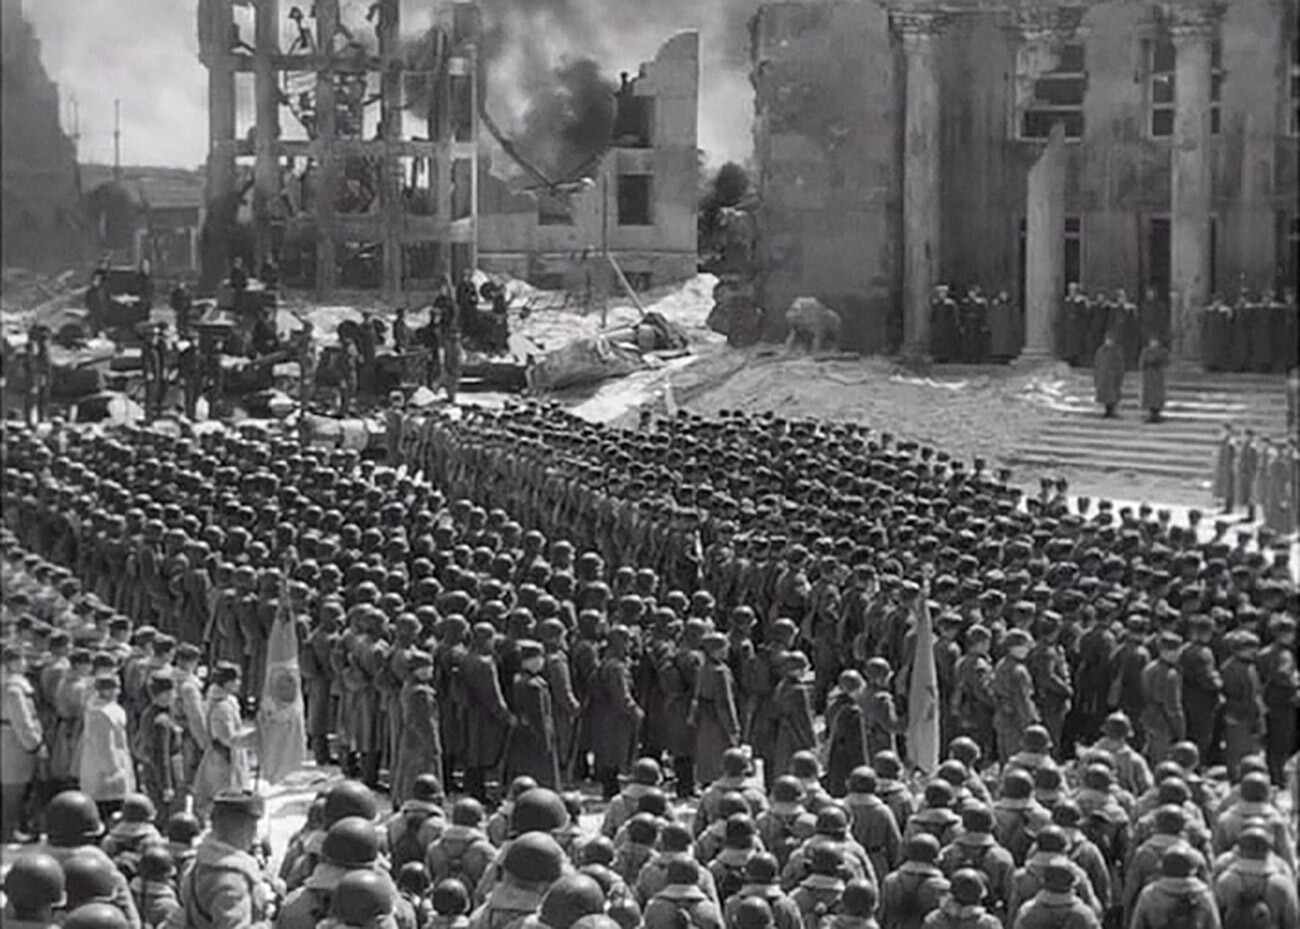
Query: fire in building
<point x="369" y="160"/>
<point x="639" y="201"/>
<point x="904" y="145"/>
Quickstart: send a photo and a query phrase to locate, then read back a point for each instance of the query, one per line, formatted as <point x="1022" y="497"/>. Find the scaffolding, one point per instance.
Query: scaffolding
<point x="402" y="204"/>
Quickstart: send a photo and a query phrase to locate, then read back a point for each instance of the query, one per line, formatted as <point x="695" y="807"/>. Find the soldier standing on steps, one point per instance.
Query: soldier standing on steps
<point x="1247" y="465"/>
<point x="1153" y="362"/>
<point x="1108" y="375"/>
<point x="1225" y="469"/>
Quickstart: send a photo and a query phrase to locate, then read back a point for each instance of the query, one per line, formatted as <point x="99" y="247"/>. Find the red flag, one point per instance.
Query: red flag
<point x="282" y="728"/>
<point x="923" y="694"/>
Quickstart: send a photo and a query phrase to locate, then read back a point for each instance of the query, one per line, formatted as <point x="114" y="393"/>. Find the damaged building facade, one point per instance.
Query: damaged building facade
<point x="363" y="159"/>
<point x="357" y="163"/>
<point x="640" y="206"/>
<point x="895" y="142"/>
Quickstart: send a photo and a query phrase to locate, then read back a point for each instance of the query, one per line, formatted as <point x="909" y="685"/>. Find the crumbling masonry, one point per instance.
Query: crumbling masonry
<point x="362" y="201"/>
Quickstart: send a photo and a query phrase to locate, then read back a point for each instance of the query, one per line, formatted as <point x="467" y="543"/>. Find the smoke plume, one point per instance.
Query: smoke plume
<point x="551" y="67"/>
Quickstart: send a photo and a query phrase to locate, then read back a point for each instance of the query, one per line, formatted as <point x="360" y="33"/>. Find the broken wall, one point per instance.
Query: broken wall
<point x="558" y="239"/>
<point x="828" y="143"/>
<point x="43" y="227"/>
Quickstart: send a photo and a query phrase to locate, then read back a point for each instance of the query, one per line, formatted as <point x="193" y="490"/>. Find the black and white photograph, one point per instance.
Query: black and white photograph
<point x="649" y="464"/>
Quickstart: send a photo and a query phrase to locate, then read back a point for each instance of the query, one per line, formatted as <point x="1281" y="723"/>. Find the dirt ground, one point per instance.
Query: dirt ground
<point x="986" y="415"/>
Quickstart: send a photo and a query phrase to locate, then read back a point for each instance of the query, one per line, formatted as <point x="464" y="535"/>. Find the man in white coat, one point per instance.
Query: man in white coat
<point x="107" y="769"/>
<point x="21" y="740"/>
<point x="223" y="766"/>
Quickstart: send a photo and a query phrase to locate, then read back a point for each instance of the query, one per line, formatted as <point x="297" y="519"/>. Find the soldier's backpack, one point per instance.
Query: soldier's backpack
<point x="729" y="878"/>
<point x="446" y="859"/>
<point x="976" y="856"/>
<point x="408" y="845"/>
<point x="1188" y="912"/>
<point x="911" y="909"/>
<point x="1251" y="909"/>
<point x="787" y="840"/>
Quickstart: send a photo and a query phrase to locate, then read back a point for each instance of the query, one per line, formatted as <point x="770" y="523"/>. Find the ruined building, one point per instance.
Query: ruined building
<point x="43" y="225"/>
<point x="640" y="204"/>
<point x="360" y="157"/>
<point x="359" y="166"/>
<point x="895" y="142"/>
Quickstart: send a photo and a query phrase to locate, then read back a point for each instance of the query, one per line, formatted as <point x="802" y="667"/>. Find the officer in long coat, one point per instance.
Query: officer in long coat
<point x="974" y="704"/>
<point x="448" y="659"/>
<point x="318" y="678"/>
<point x="21" y="739"/>
<point x="1202" y="684"/>
<point x="222" y="768"/>
<point x="793" y="712"/>
<point x="420" y="751"/>
<point x="1013" y="686"/>
<point x="615" y="716"/>
<point x="533" y="752"/>
<point x="1153" y="362"/>
<point x="1162" y="686"/>
<point x="1280" y="680"/>
<point x="713" y="714"/>
<point x="564" y="702"/>
<point x="489" y="720"/>
<point x="1108" y="375"/>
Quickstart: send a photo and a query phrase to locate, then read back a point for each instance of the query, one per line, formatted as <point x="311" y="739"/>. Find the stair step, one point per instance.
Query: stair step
<point x="1106" y="455"/>
<point x="1048" y="461"/>
<point x="1168" y="431"/>
<point x="1029" y="458"/>
<point x="1107" y="447"/>
<point x="1190" y="407"/>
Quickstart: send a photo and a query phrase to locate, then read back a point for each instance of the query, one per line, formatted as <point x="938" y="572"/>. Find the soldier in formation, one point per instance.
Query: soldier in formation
<point x="694" y="567"/>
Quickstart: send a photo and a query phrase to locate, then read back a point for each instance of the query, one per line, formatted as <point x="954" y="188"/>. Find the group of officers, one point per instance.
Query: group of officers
<point x="1254" y="333"/>
<point x="769" y="573"/>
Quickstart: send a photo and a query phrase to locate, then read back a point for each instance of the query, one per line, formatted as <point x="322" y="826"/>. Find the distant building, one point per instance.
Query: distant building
<point x="894" y="140"/>
<point x="42" y="225"/>
<point x="154" y="213"/>
<point x="641" y="205"/>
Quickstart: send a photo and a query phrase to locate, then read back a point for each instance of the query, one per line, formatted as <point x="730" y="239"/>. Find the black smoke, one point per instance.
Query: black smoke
<point x="569" y="122"/>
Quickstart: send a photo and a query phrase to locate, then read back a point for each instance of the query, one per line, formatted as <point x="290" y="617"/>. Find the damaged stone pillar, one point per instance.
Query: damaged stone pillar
<point x="390" y="121"/>
<point x="919" y="29"/>
<point x="1045" y="247"/>
<point x="266" y="134"/>
<point x="218" y="16"/>
<point x="327" y="27"/>
<point x="1193" y="28"/>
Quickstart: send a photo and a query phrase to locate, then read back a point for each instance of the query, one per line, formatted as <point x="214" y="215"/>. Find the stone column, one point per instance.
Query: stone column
<point x="919" y="29"/>
<point x="266" y="132"/>
<point x="218" y="17"/>
<point x="327" y="22"/>
<point x="390" y="166"/>
<point x="1045" y="247"/>
<point x="1193" y="29"/>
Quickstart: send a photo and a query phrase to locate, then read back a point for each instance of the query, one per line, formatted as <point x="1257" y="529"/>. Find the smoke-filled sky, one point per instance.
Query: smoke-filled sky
<point x="145" y="52"/>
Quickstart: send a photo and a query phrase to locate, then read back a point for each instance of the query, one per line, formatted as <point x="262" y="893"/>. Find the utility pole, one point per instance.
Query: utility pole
<point x="76" y="127"/>
<point x="117" y="140"/>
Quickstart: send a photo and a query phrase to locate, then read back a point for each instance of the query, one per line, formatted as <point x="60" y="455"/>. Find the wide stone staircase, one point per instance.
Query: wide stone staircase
<point x="1182" y="447"/>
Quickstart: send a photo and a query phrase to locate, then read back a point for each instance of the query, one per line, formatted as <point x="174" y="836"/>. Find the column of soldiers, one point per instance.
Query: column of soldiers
<point x="682" y="592"/>
<point x="973" y="328"/>
<point x="1255" y="332"/>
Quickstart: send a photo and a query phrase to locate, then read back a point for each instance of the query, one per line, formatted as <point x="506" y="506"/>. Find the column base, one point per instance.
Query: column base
<point x="1033" y="358"/>
<point x="915" y="356"/>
